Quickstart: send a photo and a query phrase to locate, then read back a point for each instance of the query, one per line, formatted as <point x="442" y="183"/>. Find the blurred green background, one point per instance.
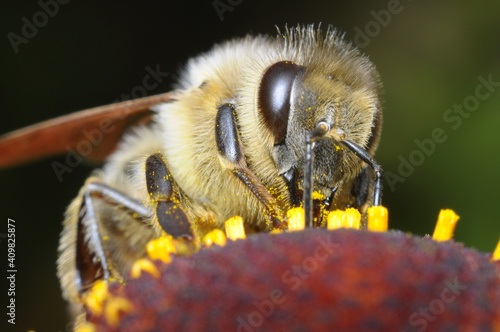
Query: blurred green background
<point x="430" y="55"/>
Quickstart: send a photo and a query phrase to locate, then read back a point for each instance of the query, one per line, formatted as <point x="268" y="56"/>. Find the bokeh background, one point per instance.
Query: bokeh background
<point x="430" y="55"/>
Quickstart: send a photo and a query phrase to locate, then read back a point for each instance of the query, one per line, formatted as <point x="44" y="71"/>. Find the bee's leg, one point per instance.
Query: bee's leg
<point x="231" y="151"/>
<point x="291" y="182"/>
<point x="360" y="188"/>
<point x="318" y="132"/>
<point x="91" y="261"/>
<point x="367" y="158"/>
<point x="329" y="200"/>
<point x="170" y="215"/>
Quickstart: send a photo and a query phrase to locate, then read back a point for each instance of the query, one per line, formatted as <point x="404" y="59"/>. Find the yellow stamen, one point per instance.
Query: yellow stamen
<point x="86" y="327"/>
<point x="144" y="264"/>
<point x="445" y="225"/>
<point x="234" y="228"/>
<point x="161" y="248"/>
<point x="496" y="253"/>
<point x="95" y="298"/>
<point x="276" y="231"/>
<point x="296" y="220"/>
<point x="215" y="237"/>
<point x="350" y="218"/>
<point x="113" y="309"/>
<point x="353" y="218"/>
<point x="378" y="218"/>
<point x="334" y="219"/>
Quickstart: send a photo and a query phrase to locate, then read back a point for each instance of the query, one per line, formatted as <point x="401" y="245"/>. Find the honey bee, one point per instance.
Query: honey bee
<point x="254" y="127"/>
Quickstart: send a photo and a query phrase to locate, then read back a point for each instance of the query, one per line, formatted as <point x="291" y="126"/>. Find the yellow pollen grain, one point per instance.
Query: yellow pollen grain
<point x="234" y="228"/>
<point x="350" y="218"/>
<point x="146" y="265"/>
<point x="317" y="195"/>
<point x="378" y="218"/>
<point x="161" y="248"/>
<point x="296" y="219"/>
<point x="215" y="237"/>
<point x="496" y="253"/>
<point x="445" y="225"/>
<point x="113" y="309"/>
<point x="95" y="298"/>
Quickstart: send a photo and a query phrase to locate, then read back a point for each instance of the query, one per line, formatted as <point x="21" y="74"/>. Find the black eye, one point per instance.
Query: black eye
<point x="274" y="97"/>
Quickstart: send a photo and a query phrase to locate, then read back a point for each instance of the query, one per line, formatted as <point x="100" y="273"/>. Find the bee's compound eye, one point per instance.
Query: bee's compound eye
<point x="274" y="97"/>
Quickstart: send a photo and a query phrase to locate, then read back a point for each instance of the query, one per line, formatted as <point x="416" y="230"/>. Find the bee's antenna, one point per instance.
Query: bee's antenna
<point x="321" y="129"/>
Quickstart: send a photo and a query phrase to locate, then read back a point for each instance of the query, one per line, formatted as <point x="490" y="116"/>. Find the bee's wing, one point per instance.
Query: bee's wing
<point x="98" y="128"/>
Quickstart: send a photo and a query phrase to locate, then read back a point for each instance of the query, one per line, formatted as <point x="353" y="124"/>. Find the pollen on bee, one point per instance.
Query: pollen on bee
<point x="113" y="309"/>
<point x="161" y="248"/>
<point x="317" y="195"/>
<point x="445" y="225"/>
<point x="350" y="218"/>
<point x="146" y="265"/>
<point x="215" y="237"/>
<point x="378" y="217"/>
<point x="296" y="220"/>
<point x="234" y="228"/>
<point x="496" y="253"/>
<point x="95" y="298"/>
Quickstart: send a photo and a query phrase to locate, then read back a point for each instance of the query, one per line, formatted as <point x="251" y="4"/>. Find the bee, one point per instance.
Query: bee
<point x="254" y="127"/>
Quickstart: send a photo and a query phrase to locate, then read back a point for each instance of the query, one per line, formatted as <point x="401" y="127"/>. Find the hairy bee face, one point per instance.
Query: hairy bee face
<point x="294" y="98"/>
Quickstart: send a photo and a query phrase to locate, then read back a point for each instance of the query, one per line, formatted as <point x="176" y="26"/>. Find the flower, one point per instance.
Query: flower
<point x="312" y="280"/>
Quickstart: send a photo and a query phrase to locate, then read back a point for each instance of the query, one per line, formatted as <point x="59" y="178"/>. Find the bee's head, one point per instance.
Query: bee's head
<point x="294" y="99"/>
